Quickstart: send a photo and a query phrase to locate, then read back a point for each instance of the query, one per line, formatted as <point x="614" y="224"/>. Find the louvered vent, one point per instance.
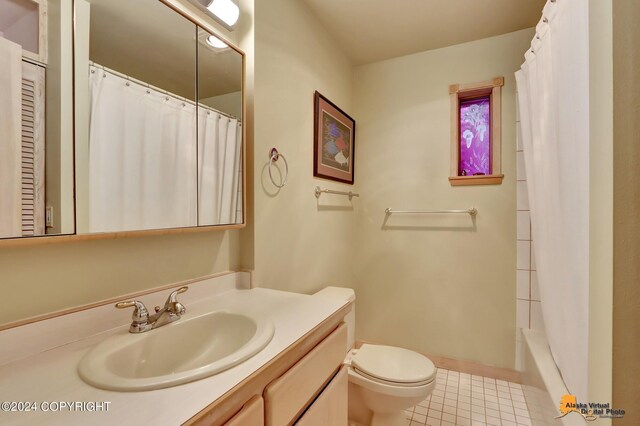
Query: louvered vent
<point x="28" y="156"/>
<point x="33" y="117"/>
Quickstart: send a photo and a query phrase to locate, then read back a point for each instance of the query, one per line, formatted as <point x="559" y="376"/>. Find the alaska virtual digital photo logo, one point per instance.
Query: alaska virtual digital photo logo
<point x="590" y="411"/>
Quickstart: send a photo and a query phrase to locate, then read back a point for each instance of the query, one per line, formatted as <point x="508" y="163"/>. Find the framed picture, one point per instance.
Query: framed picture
<point x="333" y="142"/>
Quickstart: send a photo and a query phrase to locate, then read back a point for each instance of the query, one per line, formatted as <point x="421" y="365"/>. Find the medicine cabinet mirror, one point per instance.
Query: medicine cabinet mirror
<point x="158" y="120"/>
<point x="116" y="116"/>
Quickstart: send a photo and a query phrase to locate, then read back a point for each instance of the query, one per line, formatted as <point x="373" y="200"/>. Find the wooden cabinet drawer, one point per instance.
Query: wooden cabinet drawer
<point x="330" y="408"/>
<point x="288" y="396"/>
<point x="252" y="414"/>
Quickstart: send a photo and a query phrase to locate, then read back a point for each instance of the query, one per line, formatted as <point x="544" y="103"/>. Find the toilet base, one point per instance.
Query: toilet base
<point x="389" y="419"/>
<point x="362" y="403"/>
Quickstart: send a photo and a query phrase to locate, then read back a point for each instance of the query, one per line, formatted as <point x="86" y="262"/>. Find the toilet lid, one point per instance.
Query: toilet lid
<point x="394" y="364"/>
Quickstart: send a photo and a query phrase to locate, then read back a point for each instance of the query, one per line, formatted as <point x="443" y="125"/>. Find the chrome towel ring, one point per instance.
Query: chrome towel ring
<point x="274" y="156"/>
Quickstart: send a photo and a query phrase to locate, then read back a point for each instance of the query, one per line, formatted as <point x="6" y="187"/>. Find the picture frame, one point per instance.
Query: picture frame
<point x="333" y="141"/>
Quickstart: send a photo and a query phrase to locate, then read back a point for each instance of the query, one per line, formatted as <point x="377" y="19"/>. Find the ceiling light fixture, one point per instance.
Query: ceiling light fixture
<point x="225" y="12"/>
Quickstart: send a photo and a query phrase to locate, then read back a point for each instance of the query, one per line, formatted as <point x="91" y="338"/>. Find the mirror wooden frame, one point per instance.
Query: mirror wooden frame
<point x="199" y="19"/>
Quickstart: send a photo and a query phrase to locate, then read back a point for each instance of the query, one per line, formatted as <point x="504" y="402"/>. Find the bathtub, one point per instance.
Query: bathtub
<point x="543" y="385"/>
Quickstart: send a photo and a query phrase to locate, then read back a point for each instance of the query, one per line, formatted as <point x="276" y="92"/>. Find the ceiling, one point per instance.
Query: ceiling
<point x="374" y="30"/>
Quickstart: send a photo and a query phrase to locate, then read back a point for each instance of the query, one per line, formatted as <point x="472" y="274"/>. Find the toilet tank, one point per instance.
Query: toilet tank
<point x="344" y="294"/>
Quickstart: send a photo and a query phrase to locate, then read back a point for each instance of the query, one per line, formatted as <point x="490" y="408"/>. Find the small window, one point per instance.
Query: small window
<point x="475" y="133"/>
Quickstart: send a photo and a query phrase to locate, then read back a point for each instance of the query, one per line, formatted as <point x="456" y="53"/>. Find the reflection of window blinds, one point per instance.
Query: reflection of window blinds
<point x="32" y="149"/>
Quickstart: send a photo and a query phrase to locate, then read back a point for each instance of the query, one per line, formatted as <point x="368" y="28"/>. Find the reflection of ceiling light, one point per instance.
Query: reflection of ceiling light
<point x="214" y="41"/>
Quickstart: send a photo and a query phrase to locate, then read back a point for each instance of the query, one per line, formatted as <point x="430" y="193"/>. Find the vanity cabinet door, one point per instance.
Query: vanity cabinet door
<point x="287" y="397"/>
<point x="252" y="414"/>
<point x="330" y="408"/>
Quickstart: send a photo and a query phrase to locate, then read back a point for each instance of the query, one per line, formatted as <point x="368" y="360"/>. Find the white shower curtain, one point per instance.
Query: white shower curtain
<point x="219" y="180"/>
<point x="553" y="98"/>
<point x="10" y="139"/>
<point x="142" y="157"/>
<point x="145" y="171"/>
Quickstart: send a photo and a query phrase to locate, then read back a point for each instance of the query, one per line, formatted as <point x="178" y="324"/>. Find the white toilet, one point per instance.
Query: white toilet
<point x="383" y="380"/>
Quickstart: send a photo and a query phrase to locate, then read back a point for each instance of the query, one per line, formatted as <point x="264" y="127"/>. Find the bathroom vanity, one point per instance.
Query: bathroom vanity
<point x="297" y="378"/>
<point x="305" y="389"/>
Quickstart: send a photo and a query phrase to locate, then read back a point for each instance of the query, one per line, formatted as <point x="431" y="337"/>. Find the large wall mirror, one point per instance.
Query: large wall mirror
<point x="36" y="127"/>
<point x="116" y="115"/>
<point x="159" y="140"/>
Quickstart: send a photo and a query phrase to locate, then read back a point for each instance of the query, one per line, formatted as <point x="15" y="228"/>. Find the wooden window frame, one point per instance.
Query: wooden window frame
<point x="462" y="92"/>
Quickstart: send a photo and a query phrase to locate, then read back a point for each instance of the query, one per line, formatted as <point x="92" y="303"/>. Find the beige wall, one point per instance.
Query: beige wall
<point x="442" y="284"/>
<point x="296" y="244"/>
<point x="46" y="278"/>
<point x="247" y="43"/>
<point x="626" y="249"/>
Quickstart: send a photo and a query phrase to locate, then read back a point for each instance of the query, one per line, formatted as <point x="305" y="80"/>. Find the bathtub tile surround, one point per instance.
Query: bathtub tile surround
<point x="463" y="399"/>
<point x="528" y="307"/>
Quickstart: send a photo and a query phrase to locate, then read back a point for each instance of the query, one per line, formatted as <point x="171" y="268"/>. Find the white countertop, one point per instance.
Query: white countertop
<point x="51" y="376"/>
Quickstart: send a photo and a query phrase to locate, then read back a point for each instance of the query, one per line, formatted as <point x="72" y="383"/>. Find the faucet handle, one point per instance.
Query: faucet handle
<point x="140" y="313"/>
<point x="173" y="297"/>
<point x="172" y="303"/>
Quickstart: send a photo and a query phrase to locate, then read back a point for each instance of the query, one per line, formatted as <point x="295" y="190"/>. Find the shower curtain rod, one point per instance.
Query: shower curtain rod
<point x="157" y="89"/>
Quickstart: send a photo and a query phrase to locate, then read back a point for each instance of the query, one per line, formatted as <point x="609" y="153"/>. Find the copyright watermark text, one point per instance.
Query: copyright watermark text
<point x="55" y="406"/>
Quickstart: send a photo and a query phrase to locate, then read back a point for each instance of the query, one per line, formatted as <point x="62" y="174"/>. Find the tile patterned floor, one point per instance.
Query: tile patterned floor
<point x="467" y="400"/>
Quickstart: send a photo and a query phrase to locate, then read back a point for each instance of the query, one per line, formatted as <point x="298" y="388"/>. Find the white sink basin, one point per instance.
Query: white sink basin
<point x="186" y="350"/>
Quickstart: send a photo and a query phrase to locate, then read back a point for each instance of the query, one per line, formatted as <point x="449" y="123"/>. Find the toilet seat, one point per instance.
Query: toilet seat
<point x="393" y="366"/>
<point x="390" y="388"/>
<point x="389" y="382"/>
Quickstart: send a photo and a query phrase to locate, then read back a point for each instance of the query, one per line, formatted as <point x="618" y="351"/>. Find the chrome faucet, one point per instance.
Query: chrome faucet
<point x="142" y="321"/>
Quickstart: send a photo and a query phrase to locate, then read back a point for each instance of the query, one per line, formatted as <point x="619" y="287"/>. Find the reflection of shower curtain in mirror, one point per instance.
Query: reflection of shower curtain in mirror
<point x="142" y="157"/>
<point x="219" y="149"/>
